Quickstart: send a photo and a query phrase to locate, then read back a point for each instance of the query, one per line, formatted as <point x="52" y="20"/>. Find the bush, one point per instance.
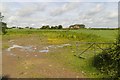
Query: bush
<point x="108" y="61"/>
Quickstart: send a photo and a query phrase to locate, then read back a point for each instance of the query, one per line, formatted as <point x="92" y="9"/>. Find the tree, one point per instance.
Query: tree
<point x="13" y="27"/>
<point x="4" y="27"/>
<point x="27" y="27"/>
<point x="31" y="28"/>
<point x="20" y="28"/>
<point x="52" y="27"/>
<point x="59" y="26"/>
<point x="56" y="27"/>
<point x="2" y="24"/>
<point x="45" y="27"/>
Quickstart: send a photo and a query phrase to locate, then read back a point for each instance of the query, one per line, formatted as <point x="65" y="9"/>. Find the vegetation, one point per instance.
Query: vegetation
<point x="45" y="27"/>
<point x="103" y="28"/>
<point x="3" y="26"/>
<point x="52" y="27"/>
<point x="108" y="61"/>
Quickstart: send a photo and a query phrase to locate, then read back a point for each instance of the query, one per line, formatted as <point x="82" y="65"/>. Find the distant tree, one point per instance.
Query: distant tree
<point x="27" y="27"/>
<point x="59" y="26"/>
<point x="52" y="27"/>
<point x="20" y="28"/>
<point x="13" y="27"/>
<point x="56" y="27"/>
<point x="45" y="27"/>
<point x="31" y="28"/>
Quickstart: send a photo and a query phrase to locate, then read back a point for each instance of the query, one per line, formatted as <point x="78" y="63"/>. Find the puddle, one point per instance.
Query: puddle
<point x="66" y="44"/>
<point x="34" y="49"/>
<point x="28" y="48"/>
<point x="60" y="46"/>
<point x="63" y="45"/>
<point x="44" y="51"/>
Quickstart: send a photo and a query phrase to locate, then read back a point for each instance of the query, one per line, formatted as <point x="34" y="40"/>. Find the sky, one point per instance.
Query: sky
<point x="36" y="13"/>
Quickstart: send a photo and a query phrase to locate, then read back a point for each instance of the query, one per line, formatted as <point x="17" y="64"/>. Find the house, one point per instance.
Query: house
<point x="77" y="26"/>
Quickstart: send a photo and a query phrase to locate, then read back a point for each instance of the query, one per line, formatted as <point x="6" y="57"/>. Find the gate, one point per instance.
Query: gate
<point x="91" y="47"/>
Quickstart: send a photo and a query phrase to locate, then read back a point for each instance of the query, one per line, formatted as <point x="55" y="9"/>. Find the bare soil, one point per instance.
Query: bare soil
<point x="19" y="63"/>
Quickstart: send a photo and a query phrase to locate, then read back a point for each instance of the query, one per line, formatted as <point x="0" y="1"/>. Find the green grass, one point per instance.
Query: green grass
<point x="74" y="35"/>
<point x="107" y="35"/>
<point x="65" y="56"/>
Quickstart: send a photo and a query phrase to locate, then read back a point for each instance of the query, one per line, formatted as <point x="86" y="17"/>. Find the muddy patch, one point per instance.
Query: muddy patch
<point x="48" y="48"/>
<point x="11" y="41"/>
<point x="28" y="49"/>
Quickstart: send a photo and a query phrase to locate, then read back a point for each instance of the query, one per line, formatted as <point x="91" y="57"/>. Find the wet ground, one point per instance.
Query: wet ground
<point x="26" y="58"/>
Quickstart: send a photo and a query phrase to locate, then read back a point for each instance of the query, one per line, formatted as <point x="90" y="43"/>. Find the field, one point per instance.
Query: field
<point x="50" y="53"/>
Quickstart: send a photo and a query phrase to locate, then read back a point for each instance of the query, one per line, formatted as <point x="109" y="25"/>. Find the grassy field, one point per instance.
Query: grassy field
<point x="59" y="56"/>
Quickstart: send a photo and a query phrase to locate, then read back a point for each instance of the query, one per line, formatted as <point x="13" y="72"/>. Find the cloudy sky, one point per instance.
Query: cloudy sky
<point x="53" y="12"/>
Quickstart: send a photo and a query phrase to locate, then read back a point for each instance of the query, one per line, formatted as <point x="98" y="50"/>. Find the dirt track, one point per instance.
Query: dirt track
<point x="23" y="63"/>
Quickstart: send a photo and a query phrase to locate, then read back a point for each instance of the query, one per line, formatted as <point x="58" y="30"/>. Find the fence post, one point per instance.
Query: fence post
<point x="77" y="48"/>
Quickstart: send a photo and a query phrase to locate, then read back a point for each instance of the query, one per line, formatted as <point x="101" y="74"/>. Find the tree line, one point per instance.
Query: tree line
<point x="43" y="27"/>
<point x="52" y="27"/>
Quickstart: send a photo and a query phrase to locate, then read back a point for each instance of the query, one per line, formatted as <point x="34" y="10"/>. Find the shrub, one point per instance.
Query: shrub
<point x="109" y="60"/>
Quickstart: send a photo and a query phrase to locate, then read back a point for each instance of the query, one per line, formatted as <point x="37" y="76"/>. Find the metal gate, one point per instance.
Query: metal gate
<point x="91" y="47"/>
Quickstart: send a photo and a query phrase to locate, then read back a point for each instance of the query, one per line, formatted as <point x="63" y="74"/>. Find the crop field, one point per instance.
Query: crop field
<point x="35" y="53"/>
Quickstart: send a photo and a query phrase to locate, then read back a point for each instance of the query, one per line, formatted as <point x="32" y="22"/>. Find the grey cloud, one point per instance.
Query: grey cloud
<point x="29" y="9"/>
<point x="113" y="15"/>
<point x="6" y="11"/>
<point x="95" y="10"/>
<point x="64" y="8"/>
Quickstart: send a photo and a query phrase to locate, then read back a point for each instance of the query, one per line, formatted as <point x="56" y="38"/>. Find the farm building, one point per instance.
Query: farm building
<point x="77" y="26"/>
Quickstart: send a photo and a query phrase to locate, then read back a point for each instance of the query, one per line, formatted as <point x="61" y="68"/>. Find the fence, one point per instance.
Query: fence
<point x="91" y="47"/>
